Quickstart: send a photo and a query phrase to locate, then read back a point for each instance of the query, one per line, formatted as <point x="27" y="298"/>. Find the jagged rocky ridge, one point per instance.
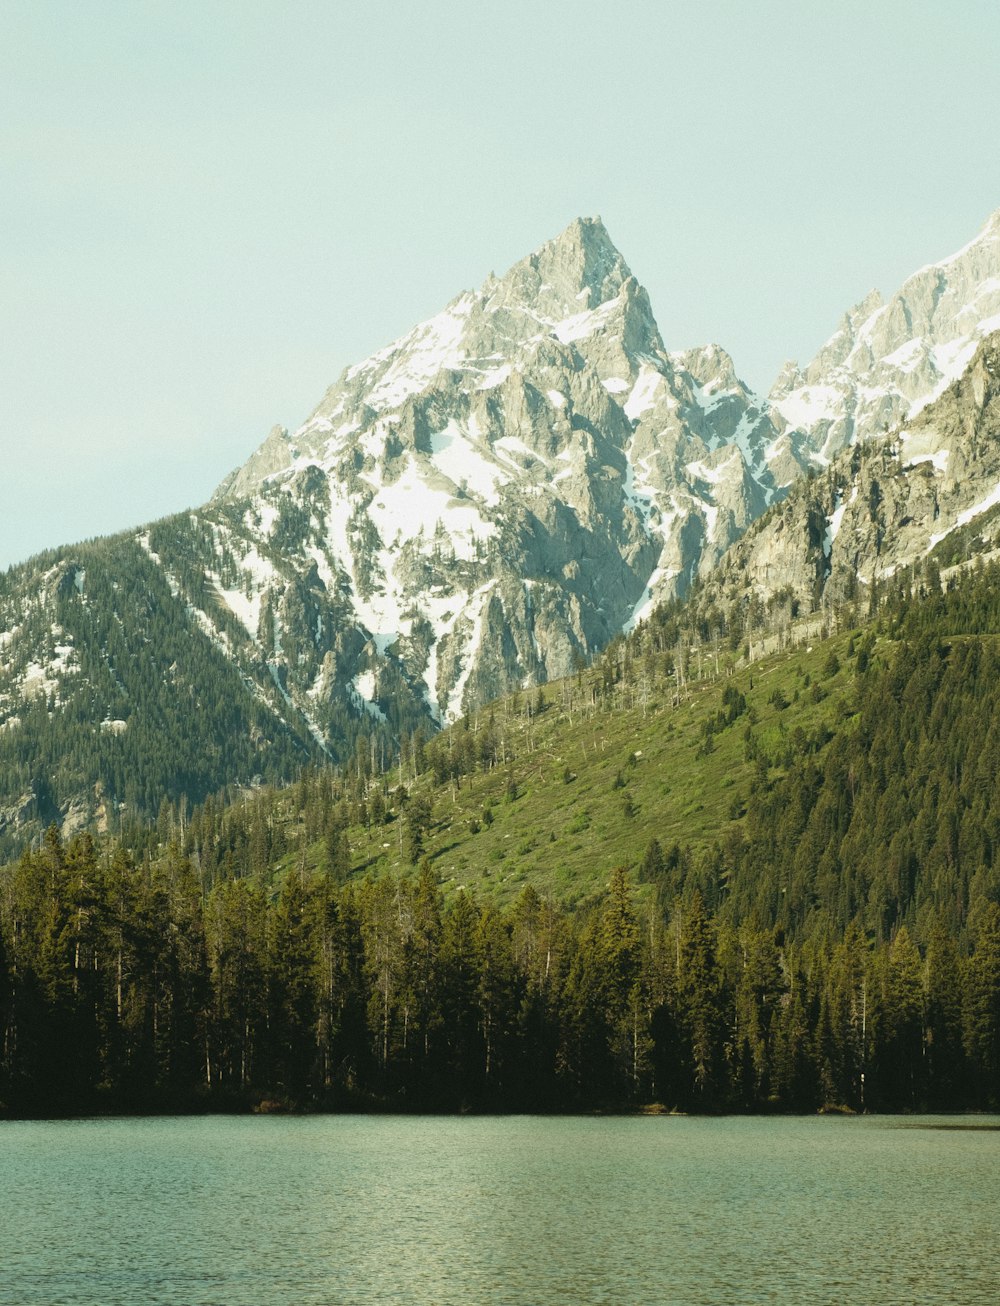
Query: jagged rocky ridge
<point x="528" y="473"/>
<point x="881" y="507"/>
<point x="888" y="359"/>
<point x="489" y="500"/>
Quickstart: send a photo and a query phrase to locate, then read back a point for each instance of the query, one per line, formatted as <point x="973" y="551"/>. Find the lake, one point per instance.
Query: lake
<point x="237" y="1211"/>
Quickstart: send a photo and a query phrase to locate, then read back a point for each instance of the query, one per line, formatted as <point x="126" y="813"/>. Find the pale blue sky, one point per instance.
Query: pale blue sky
<point x="209" y="209"/>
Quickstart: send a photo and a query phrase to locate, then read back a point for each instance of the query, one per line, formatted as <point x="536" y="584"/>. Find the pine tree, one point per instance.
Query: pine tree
<point x="498" y="999"/>
<point x="626" y="1003"/>
<point x="293" y="990"/>
<point x="794" y="1075"/>
<point x="901" y="1051"/>
<point x="759" y="990"/>
<point x="463" y="1024"/>
<point x="700" y="1005"/>
<point x="422" y="972"/>
<point x="945" y="1054"/>
<point x="384" y="963"/>
<point x="981" y="1008"/>
<point x="236" y="929"/>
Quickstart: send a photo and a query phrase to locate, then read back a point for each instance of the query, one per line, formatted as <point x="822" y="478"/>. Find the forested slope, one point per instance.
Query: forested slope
<point x="824" y="932"/>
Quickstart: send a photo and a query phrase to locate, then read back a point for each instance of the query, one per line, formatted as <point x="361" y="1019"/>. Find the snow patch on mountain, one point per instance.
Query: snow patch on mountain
<point x="364" y="692"/>
<point x="643" y="393"/>
<point x="805" y="407"/>
<point x="473" y="617"/>
<point x="413" y="506"/>
<point x="405" y="366"/>
<point x="459" y="458"/>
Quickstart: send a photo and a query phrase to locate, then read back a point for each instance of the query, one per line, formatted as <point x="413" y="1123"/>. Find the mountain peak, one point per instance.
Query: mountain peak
<point x="586" y="249"/>
<point x="588" y="234"/>
<point x="578" y="269"/>
<point x="889" y="358"/>
<point x="708" y="364"/>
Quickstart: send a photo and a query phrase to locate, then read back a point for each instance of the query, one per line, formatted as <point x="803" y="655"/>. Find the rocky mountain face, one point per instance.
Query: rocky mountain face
<point x="484" y="504"/>
<point x="518" y="479"/>
<point x="928" y="490"/>
<point x="888" y="359"/>
<point x="504" y="489"/>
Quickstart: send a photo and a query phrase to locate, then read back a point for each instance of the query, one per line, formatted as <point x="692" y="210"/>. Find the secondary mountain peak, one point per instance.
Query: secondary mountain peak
<point x="929" y="490"/>
<point x="982" y="245"/>
<point x="888" y="359"/>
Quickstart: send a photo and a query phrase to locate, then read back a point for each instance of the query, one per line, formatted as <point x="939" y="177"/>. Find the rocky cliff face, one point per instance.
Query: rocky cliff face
<point x="882" y="506"/>
<point x="528" y="473"/>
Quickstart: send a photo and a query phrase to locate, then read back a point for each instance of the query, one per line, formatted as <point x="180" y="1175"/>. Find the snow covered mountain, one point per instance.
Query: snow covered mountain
<point x="888" y="359"/>
<point x="519" y="478"/>
<point x="508" y="486"/>
<point x="483" y="504"/>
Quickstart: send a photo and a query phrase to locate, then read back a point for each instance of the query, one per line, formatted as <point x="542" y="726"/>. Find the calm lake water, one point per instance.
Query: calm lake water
<point x="237" y="1211"/>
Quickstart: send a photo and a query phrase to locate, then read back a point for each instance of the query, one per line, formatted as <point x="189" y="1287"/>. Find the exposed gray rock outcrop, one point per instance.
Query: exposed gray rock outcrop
<point x="882" y="506"/>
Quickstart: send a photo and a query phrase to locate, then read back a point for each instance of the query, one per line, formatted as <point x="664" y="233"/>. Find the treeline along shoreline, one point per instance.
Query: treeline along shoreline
<point x="127" y="989"/>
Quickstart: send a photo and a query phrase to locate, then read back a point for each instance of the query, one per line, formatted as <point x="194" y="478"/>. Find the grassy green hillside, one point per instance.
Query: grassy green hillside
<point x="845" y="776"/>
<point x="582" y="786"/>
<point x="851" y="780"/>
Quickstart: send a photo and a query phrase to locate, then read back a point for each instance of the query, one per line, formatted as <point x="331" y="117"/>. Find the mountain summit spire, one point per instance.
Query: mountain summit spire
<point x="579" y="269"/>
